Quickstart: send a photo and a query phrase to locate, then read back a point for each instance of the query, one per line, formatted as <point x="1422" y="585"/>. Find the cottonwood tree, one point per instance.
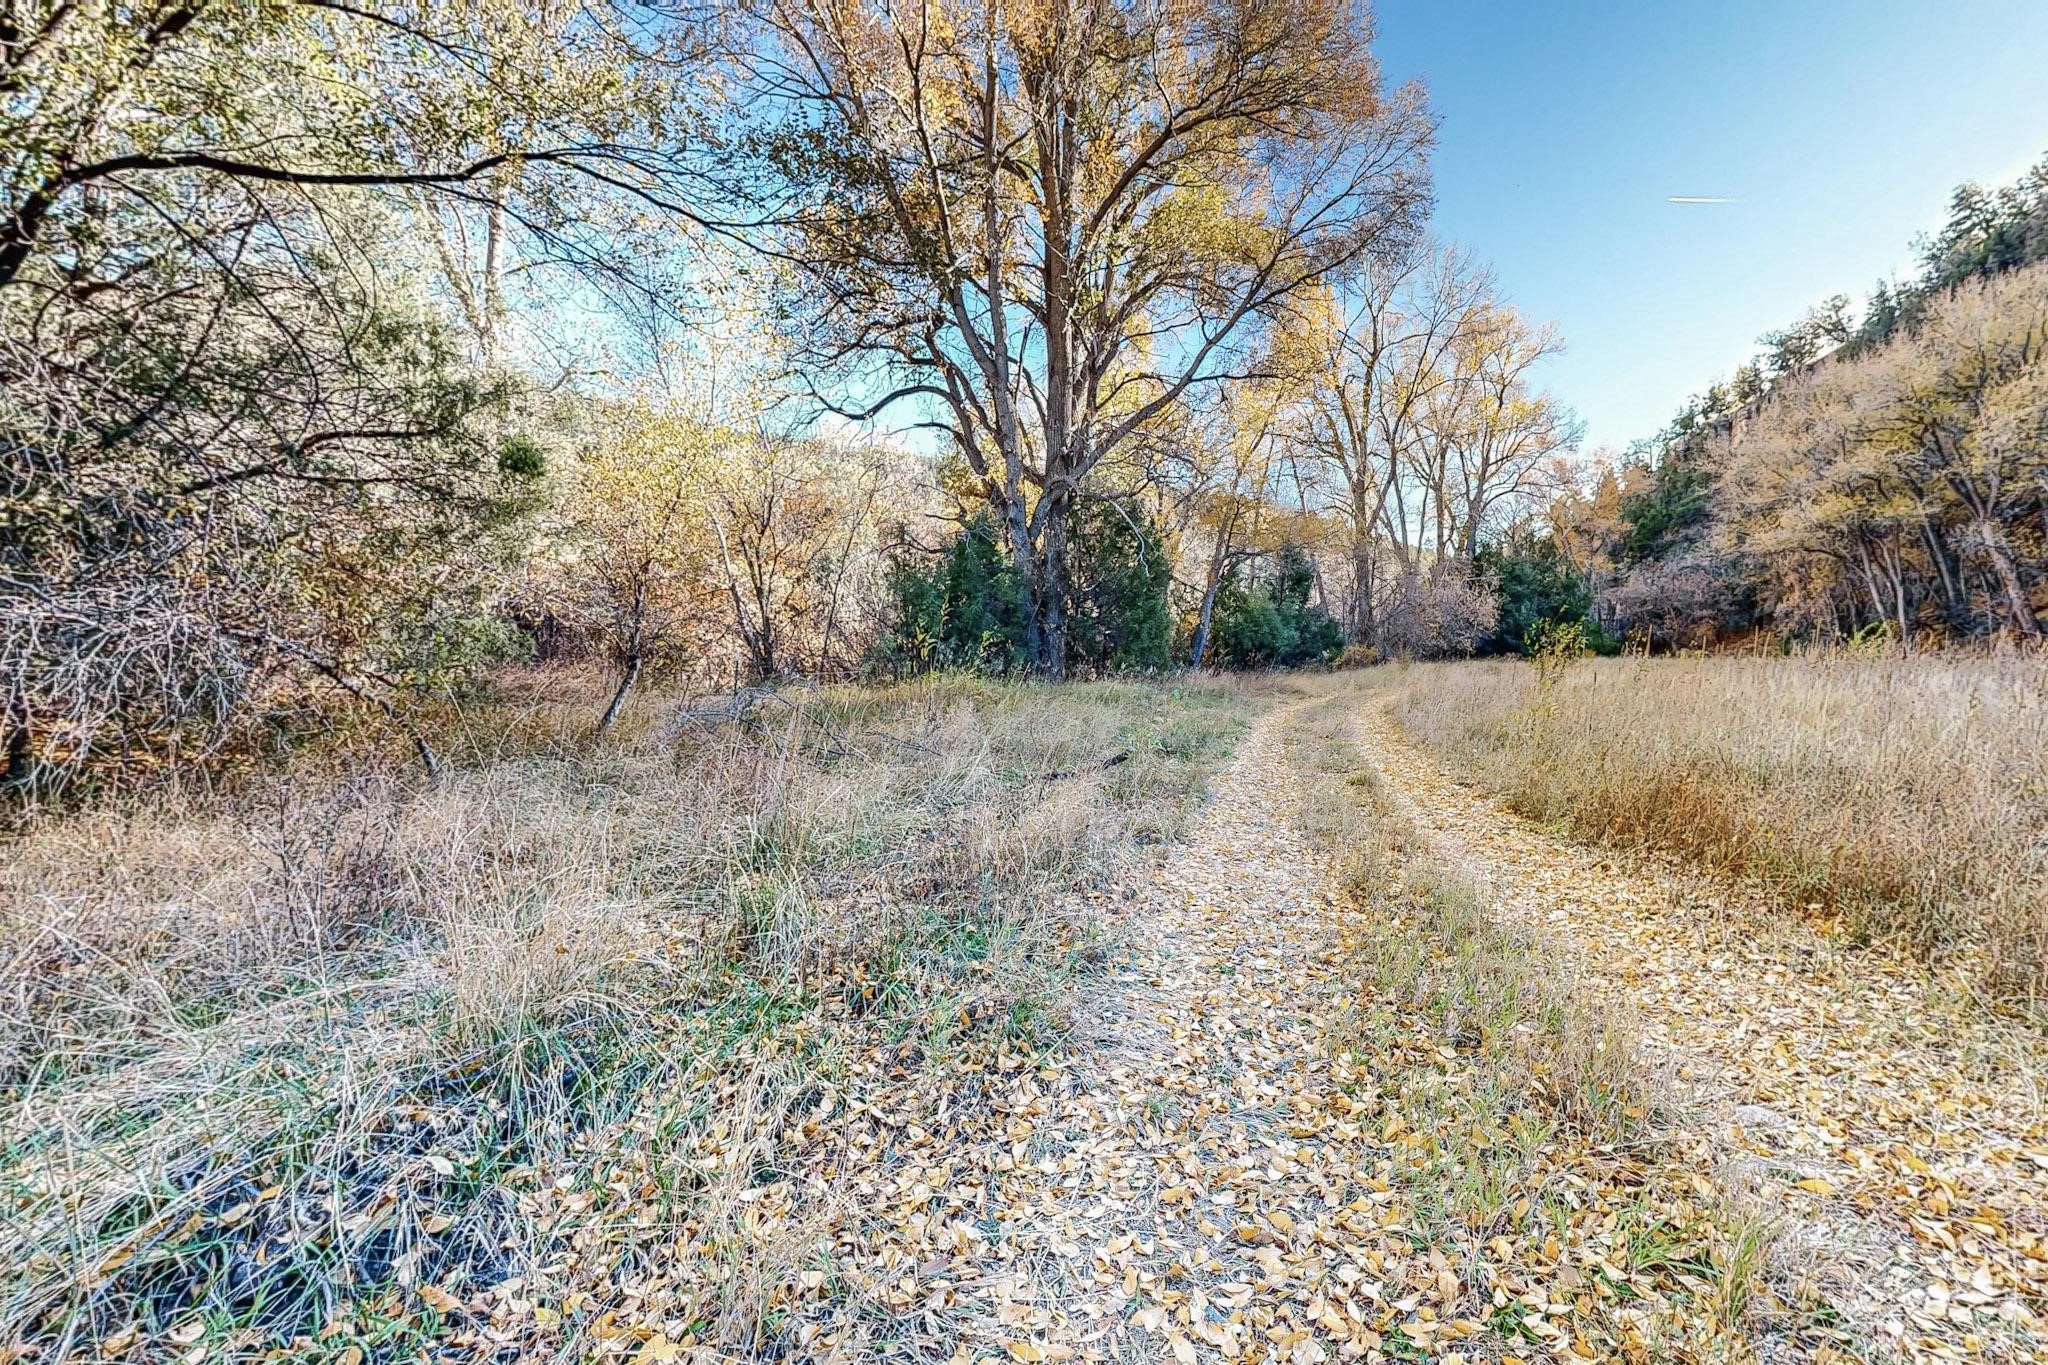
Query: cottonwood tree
<point x="1048" y="222"/>
<point x="1492" y="432"/>
<point x="1422" y="429"/>
<point x="1233" y="513"/>
<point x="494" y="103"/>
<point x="1968" y="410"/>
<point x="1220" y="481"/>
<point x="1906" y="482"/>
<point x="1380" y="353"/>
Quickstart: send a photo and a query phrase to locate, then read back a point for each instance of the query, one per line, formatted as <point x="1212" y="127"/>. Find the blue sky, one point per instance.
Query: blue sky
<point x="1838" y="127"/>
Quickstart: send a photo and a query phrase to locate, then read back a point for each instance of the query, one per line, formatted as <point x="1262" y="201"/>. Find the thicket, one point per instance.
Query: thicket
<point x="1538" y="591"/>
<point x="963" y="605"/>
<point x="1266" y="616"/>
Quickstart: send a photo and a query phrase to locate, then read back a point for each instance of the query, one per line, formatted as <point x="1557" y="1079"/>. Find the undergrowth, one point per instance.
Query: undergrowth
<point x="346" y="1066"/>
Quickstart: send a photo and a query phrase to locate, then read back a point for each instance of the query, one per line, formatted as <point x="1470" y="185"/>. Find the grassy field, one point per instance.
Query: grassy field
<point x="342" y="1065"/>
<point x="1906" y="799"/>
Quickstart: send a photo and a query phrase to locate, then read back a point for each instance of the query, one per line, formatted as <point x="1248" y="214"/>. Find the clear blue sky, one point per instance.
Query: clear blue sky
<point x="1839" y="127"/>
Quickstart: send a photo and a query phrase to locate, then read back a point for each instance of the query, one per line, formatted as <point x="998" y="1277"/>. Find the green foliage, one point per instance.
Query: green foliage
<point x="1677" y="502"/>
<point x="1540" y="594"/>
<point x="1555" y="644"/>
<point x="963" y="608"/>
<point x="448" y="648"/>
<point x="1988" y="232"/>
<point x="521" y="457"/>
<point x="1118" y="573"/>
<point x="1268" y="621"/>
<point x="1798" y="346"/>
<point x="1249" y="630"/>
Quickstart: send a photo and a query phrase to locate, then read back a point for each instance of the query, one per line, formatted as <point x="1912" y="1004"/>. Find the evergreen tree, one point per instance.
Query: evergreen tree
<point x="963" y="608"/>
<point x="1657" y="519"/>
<point x="1268" y="621"/>
<point x="1118" y="573"/>
<point x="1538" y="590"/>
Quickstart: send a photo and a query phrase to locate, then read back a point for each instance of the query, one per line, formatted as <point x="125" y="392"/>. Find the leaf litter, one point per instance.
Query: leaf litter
<point x="1208" y="1167"/>
<point x="1207" y="1158"/>
<point x="1893" y="1126"/>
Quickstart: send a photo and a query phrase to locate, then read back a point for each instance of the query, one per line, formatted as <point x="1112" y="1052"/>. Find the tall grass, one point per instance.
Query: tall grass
<point x="272" y="1059"/>
<point x="1906" y="797"/>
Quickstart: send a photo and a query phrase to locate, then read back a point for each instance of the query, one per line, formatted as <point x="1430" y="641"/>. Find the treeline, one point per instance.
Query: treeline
<point x="1885" y="474"/>
<point x="347" y="353"/>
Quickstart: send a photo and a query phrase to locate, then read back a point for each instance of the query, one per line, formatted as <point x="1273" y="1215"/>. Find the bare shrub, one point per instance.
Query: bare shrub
<point x="1438" y="613"/>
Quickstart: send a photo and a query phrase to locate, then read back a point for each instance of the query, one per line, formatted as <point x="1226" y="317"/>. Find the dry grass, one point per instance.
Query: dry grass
<point x="1537" y="1109"/>
<point x="268" y="1059"/>
<point x="1431" y="954"/>
<point x="1906" y="797"/>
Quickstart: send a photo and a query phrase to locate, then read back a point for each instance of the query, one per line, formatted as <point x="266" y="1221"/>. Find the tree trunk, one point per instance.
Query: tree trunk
<point x="1362" y="623"/>
<point x="1209" y="592"/>
<point x="1050" y="659"/>
<point x="636" y="653"/>
<point x="611" y="711"/>
<point x="1878" y="610"/>
<point x="19" y="749"/>
<point x="429" y="760"/>
<point x="1895" y="570"/>
<point x="2000" y="553"/>
<point x="1024" y="558"/>
<point x="1954" y="604"/>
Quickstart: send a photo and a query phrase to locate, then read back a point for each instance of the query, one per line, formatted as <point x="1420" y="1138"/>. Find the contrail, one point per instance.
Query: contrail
<point x="1697" y="199"/>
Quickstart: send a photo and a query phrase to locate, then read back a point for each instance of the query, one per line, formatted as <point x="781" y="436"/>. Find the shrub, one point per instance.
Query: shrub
<point x="1539" y="592"/>
<point x="1269" y="622"/>
<point x="1118" y="573"/>
<point x="1441" y="612"/>
<point x="963" y="608"/>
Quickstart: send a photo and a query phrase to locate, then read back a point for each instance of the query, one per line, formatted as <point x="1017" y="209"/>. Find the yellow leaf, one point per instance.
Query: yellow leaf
<point x="1027" y="1351"/>
<point x="439" y="1299"/>
<point x="1816" y="1186"/>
